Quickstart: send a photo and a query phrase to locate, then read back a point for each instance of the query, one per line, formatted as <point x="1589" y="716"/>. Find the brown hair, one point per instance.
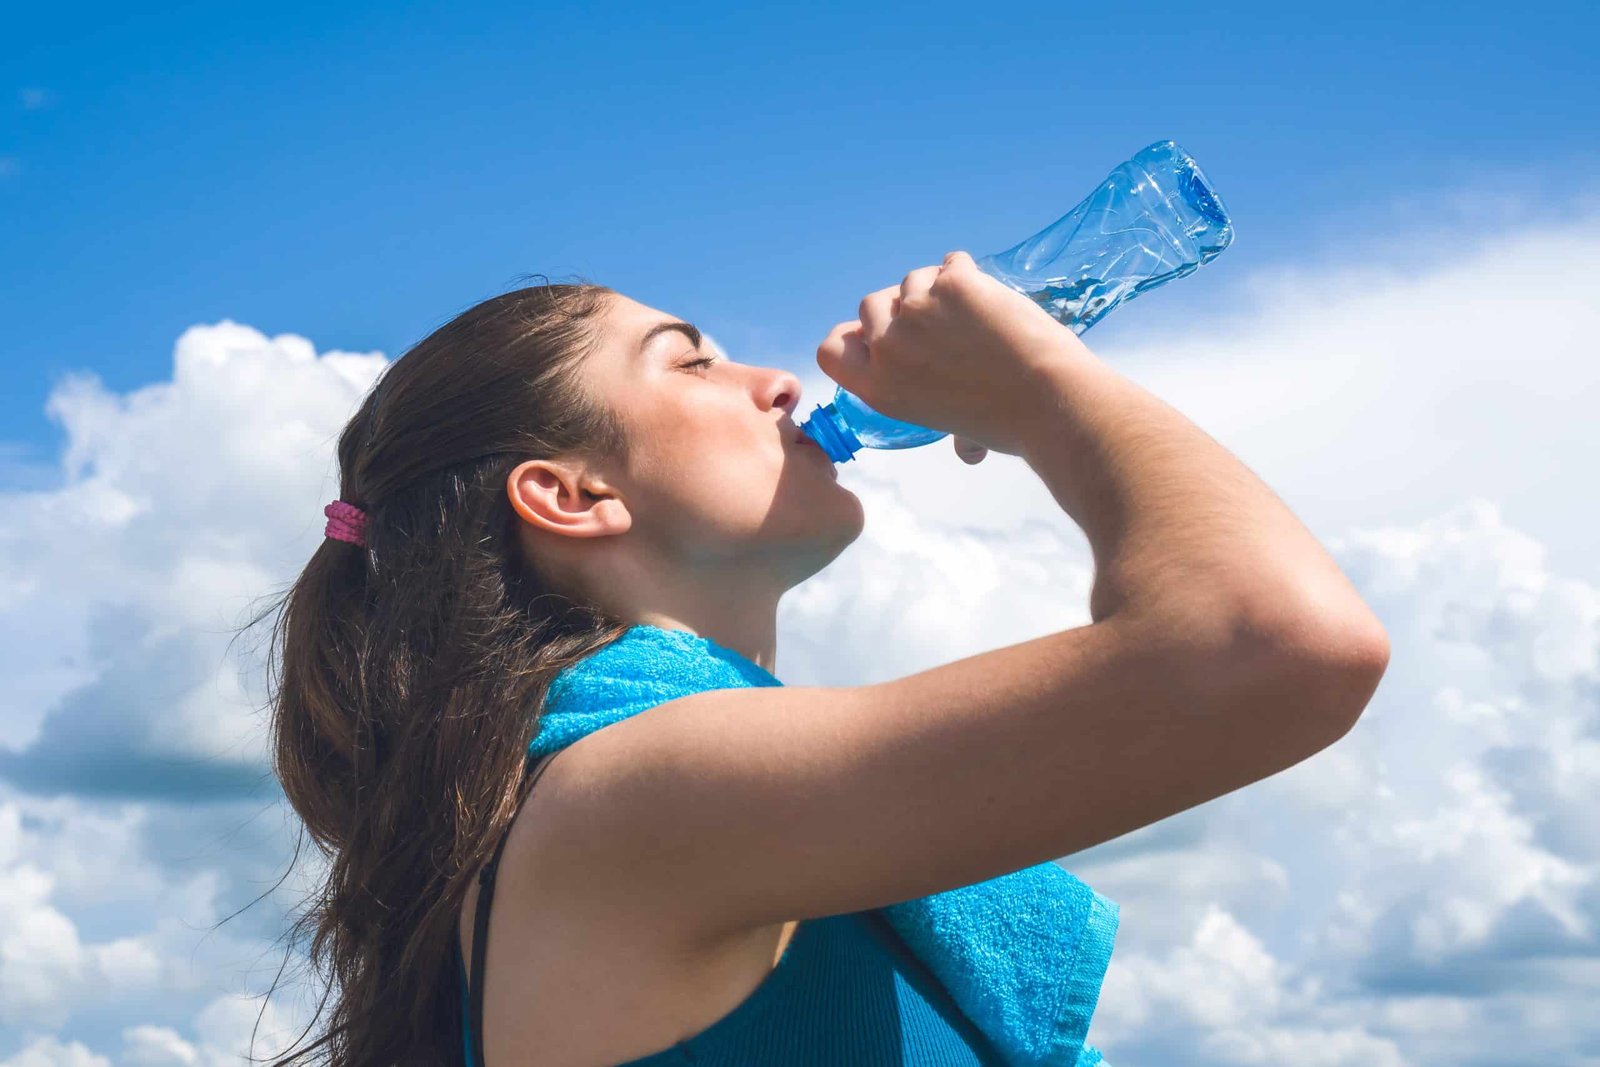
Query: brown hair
<point x="413" y="668"/>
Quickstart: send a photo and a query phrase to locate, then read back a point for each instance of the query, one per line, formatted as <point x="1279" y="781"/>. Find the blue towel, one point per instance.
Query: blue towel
<point x="1023" y="955"/>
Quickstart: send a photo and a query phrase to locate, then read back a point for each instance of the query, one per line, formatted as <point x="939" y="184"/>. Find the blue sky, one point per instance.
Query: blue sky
<point x="359" y="173"/>
<point x="218" y="224"/>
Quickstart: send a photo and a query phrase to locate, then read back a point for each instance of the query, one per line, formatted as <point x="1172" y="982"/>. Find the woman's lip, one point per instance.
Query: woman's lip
<point x="822" y="452"/>
<point x="805" y="440"/>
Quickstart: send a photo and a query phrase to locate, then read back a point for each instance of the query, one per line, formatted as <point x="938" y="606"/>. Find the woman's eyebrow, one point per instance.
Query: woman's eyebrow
<point x="688" y="329"/>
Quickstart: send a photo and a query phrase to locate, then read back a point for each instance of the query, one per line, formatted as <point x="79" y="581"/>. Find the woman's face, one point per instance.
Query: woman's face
<point x="718" y="476"/>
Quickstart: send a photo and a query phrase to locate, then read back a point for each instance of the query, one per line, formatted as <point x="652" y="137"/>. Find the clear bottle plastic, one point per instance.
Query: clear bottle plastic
<point x="1153" y="219"/>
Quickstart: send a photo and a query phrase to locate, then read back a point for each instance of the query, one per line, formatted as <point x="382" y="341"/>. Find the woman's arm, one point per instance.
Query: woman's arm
<point x="1178" y="525"/>
<point x="1226" y="647"/>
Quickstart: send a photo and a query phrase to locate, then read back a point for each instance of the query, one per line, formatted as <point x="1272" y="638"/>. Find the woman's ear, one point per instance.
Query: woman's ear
<point x="567" y="498"/>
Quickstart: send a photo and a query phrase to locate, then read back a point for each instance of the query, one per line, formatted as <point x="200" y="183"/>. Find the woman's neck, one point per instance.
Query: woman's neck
<point x="752" y="634"/>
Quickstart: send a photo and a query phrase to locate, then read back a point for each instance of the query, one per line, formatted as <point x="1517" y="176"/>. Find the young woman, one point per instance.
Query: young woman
<point x="559" y="463"/>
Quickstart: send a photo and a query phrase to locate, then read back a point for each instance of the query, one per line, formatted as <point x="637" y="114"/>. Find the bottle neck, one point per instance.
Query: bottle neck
<point x="827" y="428"/>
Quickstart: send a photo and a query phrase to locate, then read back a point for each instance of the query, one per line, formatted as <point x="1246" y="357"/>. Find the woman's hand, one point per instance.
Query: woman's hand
<point x="953" y="349"/>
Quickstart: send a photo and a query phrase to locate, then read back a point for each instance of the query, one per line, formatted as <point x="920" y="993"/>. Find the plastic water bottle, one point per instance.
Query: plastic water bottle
<point x="1153" y="219"/>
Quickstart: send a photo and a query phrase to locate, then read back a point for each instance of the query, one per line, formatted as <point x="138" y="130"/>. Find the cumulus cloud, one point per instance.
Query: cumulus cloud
<point x="1435" y="871"/>
<point x="110" y="912"/>
<point x="48" y="1052"/>
<point x="1429" y="879"/>
<point x="184" y="501"/>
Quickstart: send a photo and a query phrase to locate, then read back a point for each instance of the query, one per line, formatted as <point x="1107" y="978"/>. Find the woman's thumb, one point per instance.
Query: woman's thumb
<point x="842" y="353"/>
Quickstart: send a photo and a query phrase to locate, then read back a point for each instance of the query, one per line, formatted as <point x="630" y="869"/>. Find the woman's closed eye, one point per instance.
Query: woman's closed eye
<point x="702" y="362"/>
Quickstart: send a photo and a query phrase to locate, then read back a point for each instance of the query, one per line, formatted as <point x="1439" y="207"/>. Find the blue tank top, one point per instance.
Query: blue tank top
<point x="845" y="990"/>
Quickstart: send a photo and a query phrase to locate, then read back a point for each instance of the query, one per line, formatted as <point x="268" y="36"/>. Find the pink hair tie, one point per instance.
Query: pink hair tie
<point x="346" y="522"/>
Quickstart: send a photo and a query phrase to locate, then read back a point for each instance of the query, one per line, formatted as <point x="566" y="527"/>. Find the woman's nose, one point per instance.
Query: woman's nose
<point x="783" y="390"/>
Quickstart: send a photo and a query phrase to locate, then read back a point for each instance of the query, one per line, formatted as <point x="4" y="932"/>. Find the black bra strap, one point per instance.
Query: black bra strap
<point x="480" y="921"/>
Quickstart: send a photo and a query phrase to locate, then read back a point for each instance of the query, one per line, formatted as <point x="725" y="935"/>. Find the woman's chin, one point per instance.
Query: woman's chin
<point x="854" y="514"/>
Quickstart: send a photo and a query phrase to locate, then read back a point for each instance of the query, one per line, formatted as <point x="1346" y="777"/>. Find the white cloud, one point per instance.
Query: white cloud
<point x="48" y="1052"/>
<point x="94" y="919"/>
<point x="41" y="957"/>
<point x="1435" y="871"/>
<point x="184" y="501"/>
<point x="156" y="1046"/>
<point x="1222" y="994"/>
<point x="1433" y="877"/>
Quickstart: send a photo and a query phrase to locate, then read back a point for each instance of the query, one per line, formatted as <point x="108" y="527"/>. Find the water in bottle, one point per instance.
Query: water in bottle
<point x="1153" y="219"/>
